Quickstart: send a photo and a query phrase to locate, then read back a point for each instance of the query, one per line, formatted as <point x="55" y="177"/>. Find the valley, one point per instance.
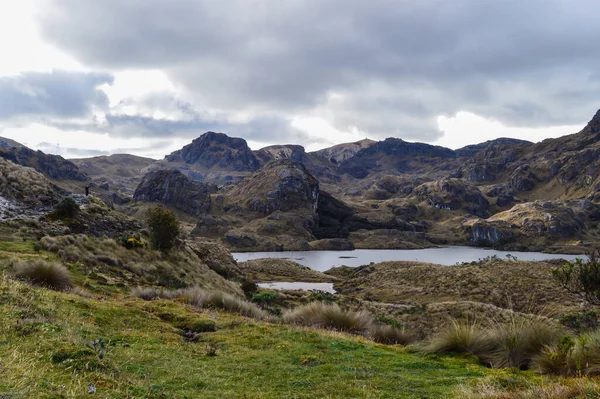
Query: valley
<point x="415" y="286"/>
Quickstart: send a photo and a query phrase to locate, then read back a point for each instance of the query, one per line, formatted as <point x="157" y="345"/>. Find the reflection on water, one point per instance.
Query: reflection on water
<point x="327" y="287"/>
<point x="324" y="260"/>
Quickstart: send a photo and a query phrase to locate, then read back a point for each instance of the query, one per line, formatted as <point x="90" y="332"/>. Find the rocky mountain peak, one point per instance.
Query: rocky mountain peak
<point x="217" y="150"/>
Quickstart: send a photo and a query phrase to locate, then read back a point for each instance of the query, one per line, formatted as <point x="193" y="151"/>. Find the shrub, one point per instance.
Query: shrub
<point x="249" y="288"/>
<point x="47" y="274"/>
<point x="582" y="277"/>
<point x="330" y="316"/>
<point x="389" y="335"/>
<point x="164" y="228"/>
<point x="67" y="208"/>
<point x="584" y="321"/>
<point x="265" y="297"/>
<point x="131" y="242"/>
<point x="461" y="337"/>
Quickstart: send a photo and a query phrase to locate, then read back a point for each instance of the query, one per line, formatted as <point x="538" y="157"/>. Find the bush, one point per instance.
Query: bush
<point x="67" y="208"/>
<point x="46" y="274"/>
<point x="461" y="337"/>
<point x="265" y="297"/>
<point x="131" y="242"/>
<point x="330" y="316"/>
<point x="249" y="288"/>
<point x="389" y="335"/>
<point x="582" y="278"/>
<point x="164" y="228"/>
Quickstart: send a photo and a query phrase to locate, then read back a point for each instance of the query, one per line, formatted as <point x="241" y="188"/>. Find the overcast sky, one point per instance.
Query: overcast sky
<point x="90" y="77"/>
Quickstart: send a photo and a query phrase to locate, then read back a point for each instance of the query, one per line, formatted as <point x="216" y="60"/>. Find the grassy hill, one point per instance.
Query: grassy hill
<point x="57" y="344"/>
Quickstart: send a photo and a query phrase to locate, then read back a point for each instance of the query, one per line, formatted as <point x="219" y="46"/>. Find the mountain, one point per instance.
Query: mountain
<point x="8" y="143"/>
<point x="52" y="166"/>
<point x="114" y="177"/>
<point x="213" y="157"/>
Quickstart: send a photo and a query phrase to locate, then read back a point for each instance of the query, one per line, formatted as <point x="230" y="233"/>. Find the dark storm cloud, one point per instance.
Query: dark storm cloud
<point x="57" y="94"/>
<point x="509" y="59"/>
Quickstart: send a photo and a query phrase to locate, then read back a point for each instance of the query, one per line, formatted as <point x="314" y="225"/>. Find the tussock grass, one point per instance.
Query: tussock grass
<point x="461" y="337"/>
<point x="518" y="342"/>
<point x="514" y="344"/>
<point x="572" y="357"/>
<point x="389" y="335"/>
<point x="50" y="275"/>
<point x="204" y="299"/>
<point x="330" y="316"/>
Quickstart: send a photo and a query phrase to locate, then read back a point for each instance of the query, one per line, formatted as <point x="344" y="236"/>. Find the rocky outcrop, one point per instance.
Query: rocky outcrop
<point x="453" y="194"/>
<point x="486" y="234"/>
<point x="171" y="187"/>
<point x="217" y="150"/>
<point x="342" y="152"/>
<point x="53" y="166"/>
<point x="275" y="152"/>
<point x="282" y="185"/>
<point x="551" y="219"/>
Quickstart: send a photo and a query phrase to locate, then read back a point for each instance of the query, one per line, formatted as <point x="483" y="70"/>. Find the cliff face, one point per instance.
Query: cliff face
<point x="171" y="187"/>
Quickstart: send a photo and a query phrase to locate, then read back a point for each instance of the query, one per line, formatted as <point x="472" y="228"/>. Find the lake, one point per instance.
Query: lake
<point x="324" y="260"/>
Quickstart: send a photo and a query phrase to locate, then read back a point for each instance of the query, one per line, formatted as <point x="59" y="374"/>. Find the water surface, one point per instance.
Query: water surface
<point x="327" y="287"/>
<point x="324" y="260"/>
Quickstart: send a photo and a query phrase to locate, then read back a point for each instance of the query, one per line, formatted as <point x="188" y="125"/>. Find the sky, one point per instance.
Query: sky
<point x="83" y="78"/>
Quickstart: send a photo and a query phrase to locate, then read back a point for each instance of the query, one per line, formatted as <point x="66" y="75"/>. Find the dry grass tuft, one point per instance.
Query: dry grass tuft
<point x="461" y="337"/>
<point x="330" y="316"/>
<point x="389" y="335"/>
<point x="518" y="342"/>
<point x="204" y="299"/>
<point x="50" y="275"/>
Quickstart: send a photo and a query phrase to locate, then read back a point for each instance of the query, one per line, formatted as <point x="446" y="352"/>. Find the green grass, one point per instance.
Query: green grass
<point x="22" y="247"/>
<point x="44" y="336"/>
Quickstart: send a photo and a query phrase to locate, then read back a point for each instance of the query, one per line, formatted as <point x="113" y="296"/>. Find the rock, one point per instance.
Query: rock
<point x="482" y="233"/>
<point x="547" y="219"/>
<point x="105" y="186"/>
<point x="523" y="179"/>
<point x="171" y="187"/>
<point x="281" y="185"/>
<point x="342" y="152"/>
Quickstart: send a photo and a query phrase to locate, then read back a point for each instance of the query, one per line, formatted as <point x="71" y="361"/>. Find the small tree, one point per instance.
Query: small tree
<point x="582" y="277"/>
<point x="164" y="228"/>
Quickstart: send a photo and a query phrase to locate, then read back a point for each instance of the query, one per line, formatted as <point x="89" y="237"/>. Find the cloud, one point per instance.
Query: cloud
<point x="382" y="67"/>
<point x="58" y="94"/>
